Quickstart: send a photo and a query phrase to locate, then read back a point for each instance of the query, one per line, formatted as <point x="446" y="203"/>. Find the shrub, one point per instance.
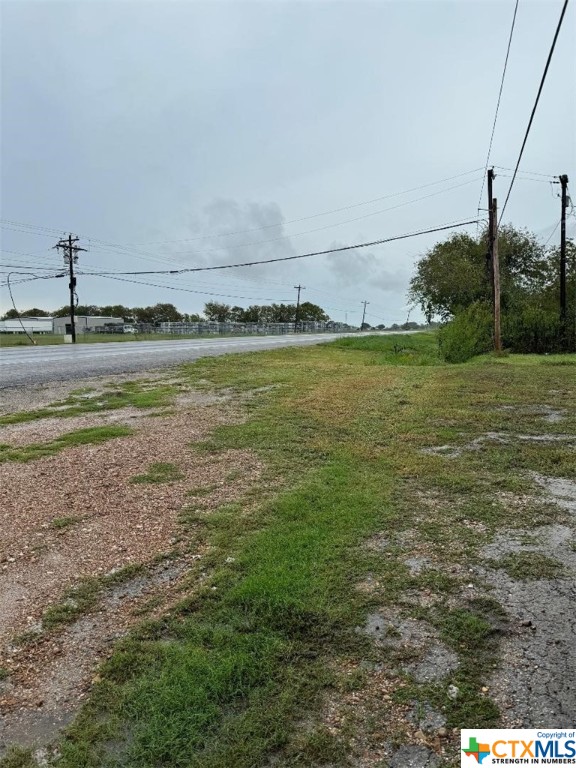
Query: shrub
<point x="467" y="335"/>
<point x="535" y="330"/>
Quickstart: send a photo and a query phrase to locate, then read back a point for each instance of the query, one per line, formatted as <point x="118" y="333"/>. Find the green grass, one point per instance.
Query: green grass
<point x="163" y="472"/>
<point x="228" y="677"/>
<point x="60" y="523"/>
<point x="126" y="395"/>
<point x="88" y="436"/>
<point x="530" y="566"/>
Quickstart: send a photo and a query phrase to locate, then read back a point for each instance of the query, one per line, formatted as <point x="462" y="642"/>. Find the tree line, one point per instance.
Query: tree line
<point x="452" y="282"/>
<point x="168" y="313"/>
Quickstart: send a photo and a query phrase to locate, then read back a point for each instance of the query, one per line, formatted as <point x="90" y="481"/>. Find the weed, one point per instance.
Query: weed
<point x="162" y="472"/>
<point x="59" y="523"/>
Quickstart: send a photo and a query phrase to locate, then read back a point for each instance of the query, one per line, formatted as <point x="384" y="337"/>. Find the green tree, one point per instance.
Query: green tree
<point x="454" y="274"/>
<point x="312" y="312"/>
<point x="217" y="312"/>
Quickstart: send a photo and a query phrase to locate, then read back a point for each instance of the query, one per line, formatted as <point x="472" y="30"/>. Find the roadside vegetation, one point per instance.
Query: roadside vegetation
<point x="451" y="282"/>
<point x="272" y="658"/>
<point x="89" y="436"/>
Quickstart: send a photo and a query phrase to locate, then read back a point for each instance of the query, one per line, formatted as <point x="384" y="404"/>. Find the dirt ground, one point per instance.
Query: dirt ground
<point x="78" y="515"/>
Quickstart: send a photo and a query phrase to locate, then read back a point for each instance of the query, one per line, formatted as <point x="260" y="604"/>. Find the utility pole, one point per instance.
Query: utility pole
<point x="298" y="288"/>
<point x="493" y="261"/>
<point x="564" y="196"/>
<point x="364" y="314"/>
<point x="70" y="258"/>
<point x="496" y="279"/>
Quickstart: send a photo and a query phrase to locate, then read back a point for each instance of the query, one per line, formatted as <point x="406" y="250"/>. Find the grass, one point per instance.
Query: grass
<point x="530" y="566"/>
<point x="60" y="523"/>
<point x="229" y="676"/>
<point x="126" y="395"/>
<point x="163" y="472"/>
<point x="88" y="436"/>
<point x="84" y="596"/>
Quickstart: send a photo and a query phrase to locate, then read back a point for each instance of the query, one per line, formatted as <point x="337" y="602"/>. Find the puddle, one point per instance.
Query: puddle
<point x="561" y="491"/>
<point x="548" y="413"/>
<point x="503" y="438"/>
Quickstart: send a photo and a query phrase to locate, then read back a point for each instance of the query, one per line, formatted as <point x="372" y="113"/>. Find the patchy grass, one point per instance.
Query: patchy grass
<point x="162" y="472"/>
<point x="18" y="758"/>
<point x="60" y="523"/>
<point x="84" y="596"/>
<point x="530" y="566"/>
<point x="229" y="676"/>
<point x="88" y="436"/>
<point x="127" y="395"/>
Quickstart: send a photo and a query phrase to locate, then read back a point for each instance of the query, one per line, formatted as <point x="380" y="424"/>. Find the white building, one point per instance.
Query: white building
<point x="31" y="325"/>
<point x="88" y="324"/>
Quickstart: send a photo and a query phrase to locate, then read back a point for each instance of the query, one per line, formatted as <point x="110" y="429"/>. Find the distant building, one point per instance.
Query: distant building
<point x="31" y="325"/>
<point x="88" y="324"/>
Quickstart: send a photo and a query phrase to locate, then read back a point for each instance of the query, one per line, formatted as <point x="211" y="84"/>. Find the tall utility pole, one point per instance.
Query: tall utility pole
<point x="364" y="314"/>
<point x="494" y="265"/>
<point x="298" y="288"/>
<point x="70" y="258"/>
<point x="564" y="196"/>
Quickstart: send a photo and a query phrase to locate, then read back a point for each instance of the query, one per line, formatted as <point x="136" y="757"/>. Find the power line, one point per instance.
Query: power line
<point x="328" y="226"/>
<point x="541" y="86"/>
<point x="530" y="173"/>
<point x="175" y="288"/>
<point x="498" y="102"/>
<point x="312" y="216"/>
<point x="135" y="253"/>
<point x="300" y="256"/>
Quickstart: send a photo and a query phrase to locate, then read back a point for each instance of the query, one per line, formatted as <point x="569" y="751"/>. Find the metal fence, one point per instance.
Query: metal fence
<point x="242" y="329"/>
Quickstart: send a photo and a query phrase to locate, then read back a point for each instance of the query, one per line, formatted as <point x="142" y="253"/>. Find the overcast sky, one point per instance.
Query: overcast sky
<point x="163" y="127"/>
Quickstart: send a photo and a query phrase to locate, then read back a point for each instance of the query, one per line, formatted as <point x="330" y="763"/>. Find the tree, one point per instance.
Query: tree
<point x="312" y="312"/>
<point x="35" y="312"/>
<point x="12" y="314"/>
<point x="217" y="312"/>
<point x="454" y="274"/>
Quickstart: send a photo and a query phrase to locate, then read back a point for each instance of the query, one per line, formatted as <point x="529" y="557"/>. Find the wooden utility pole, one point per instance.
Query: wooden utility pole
<point x="493" y="262"/>
<point x="496" y="278"/>
<point x="298" y="288"/>
<point x="71" y="258"/>
<point x="564" y="197"/>
<point x="363" y="314"/>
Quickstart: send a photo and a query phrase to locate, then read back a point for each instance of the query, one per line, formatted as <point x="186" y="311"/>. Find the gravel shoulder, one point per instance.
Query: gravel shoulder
<point x="86" y="514"/>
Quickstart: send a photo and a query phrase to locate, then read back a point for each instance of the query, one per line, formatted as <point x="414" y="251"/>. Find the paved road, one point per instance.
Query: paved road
<point x="42" y="364"/>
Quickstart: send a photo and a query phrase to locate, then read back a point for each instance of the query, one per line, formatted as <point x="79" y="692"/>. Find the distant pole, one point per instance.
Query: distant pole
<point x="496" y="279"/>
<point x="298" y="288"/>
<point x="364" y="314"/>
<point x="564" y="183"/>
<point x="70" y="250"/>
